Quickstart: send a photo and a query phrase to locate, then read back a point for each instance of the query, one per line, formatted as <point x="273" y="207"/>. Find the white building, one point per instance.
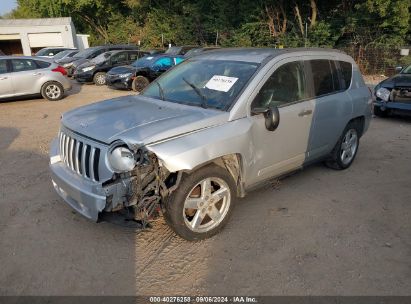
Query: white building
<point x="27" y="36"/>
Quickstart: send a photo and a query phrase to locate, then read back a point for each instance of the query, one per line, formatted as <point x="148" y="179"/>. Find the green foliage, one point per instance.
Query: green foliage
<point x="365" y="23"/>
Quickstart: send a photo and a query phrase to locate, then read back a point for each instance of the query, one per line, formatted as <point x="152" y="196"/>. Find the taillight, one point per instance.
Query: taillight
<point x="61" y="70"/>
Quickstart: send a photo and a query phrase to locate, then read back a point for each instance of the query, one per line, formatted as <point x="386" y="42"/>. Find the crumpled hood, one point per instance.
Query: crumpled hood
<point x="138" y="120"/>
<point x="399" y="80"/>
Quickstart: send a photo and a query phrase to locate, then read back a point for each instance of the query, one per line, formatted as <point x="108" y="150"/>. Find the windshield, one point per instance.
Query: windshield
<point x="204" y="83"/>
<point x="407" y="70"/>
<point x="85" y="53"/>
<point x="101" y="58"/>
<point x="47" y="52"/>
<point x="143" y="62"/>
<point x="62" y="54"/>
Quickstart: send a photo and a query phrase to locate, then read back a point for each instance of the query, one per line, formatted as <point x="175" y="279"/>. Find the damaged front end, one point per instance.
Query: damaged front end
<point x="138" y="194"/>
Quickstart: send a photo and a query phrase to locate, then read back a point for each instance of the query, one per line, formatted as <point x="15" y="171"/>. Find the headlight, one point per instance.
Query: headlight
<point x="67" y="65"/>
<point x="121" y="159"/>
<point x="124" y="75"/>
<point x="383" y="93"/>
<point x="89" y="68"/>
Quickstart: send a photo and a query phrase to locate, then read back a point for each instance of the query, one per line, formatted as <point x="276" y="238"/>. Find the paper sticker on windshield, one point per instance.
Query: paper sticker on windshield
<point x="221" y="83"/>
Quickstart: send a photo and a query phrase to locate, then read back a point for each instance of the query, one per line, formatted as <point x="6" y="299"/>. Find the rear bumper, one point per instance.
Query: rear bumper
<point x="86" y="197"/>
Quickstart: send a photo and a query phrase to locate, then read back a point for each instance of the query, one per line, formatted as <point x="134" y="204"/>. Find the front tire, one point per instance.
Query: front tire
<point x="346" y="148"/>
<point x="52" y="91"/>
<point x="99" y="78"/>
<point x="139" y="83"/>
<point x="202" y="204"/>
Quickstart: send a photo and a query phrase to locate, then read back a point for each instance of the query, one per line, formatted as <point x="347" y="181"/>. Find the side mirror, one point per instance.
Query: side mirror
<point x="271" y="115"/>
<point x="398" y="69"/>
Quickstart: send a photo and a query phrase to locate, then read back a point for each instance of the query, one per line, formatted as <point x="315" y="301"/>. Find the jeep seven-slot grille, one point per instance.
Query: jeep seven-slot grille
<point x="80" y="157"/>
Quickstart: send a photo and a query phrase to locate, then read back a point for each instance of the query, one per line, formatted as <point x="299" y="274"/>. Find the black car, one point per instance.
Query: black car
<point x="141" y="72"/>
<point x="200" y="50"/>
<point x="70" y="64"/>
<point x="393" y="95"/>
<point x="95" y="69"/>
<point x="180" y="50"/>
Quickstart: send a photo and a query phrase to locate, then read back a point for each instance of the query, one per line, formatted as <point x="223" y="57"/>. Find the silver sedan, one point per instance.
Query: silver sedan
<point x="21" y="76"/>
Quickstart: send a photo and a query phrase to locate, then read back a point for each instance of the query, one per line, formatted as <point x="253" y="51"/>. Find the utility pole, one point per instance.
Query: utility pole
<point x="306" y="34"/>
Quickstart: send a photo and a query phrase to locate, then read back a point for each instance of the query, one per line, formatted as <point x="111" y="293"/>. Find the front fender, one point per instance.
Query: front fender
<point x="194" y="149"/>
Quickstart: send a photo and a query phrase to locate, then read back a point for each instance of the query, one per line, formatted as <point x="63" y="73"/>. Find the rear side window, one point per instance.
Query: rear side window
<point x="178" y="60"/>
<point x="164" y="62"/>
<point x="19" y="65"/>
<point x="3" y="66"/>
<point x="42" y="64"/>
<point x="346" y="73"/>
<point x="322" y="77"/>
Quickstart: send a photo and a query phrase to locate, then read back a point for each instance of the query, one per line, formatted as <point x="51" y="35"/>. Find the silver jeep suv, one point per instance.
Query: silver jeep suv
<point x="206" y="132"/>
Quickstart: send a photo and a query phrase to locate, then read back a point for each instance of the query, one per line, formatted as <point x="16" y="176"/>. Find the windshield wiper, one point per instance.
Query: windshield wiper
<point x="160" y="89"/>
<point x="198" y="91"/>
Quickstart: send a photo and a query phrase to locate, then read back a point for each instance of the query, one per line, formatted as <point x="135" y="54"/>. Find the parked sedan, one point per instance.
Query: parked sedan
<point x="394" y="94"/>
<point x="70" y="64"/>
<point x="30" y="76"/>
<point x="141" y="72"/>
<point x="95" y="70"/>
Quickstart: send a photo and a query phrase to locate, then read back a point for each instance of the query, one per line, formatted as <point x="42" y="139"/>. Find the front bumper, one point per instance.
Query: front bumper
<point x="398" y="106"/>
<point x="118" y="83"/>
<point x="85" y="196"/>
<point x="83" y="77"/>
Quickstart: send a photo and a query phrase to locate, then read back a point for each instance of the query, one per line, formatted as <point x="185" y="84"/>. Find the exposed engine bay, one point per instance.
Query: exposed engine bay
<point x="138" y="194"/>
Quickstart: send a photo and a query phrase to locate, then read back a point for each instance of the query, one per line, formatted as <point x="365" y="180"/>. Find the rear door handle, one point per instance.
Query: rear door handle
<point x="305" y="113"/>
<point x="3" y="78"/>
<point x="35" y="74"/>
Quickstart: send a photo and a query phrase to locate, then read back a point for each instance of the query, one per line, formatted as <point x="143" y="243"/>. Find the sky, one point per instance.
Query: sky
<point x="6" y="6"/>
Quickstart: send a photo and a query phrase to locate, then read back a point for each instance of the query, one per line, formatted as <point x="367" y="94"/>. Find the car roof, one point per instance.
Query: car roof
<point x="258" y="55"/>
<point x="28" y="57"/>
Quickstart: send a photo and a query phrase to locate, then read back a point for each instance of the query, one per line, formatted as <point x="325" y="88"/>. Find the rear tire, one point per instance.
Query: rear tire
<point x="99" y="78"/>
<point x="139" y="83"/>
<point x="202" y="204"/>
<point x="346" y="148"/>
<point x="52" y="91"/>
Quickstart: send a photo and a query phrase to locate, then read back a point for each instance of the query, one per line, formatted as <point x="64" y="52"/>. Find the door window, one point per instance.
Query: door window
<point x="3" y="66"/>
<point x="19" y="65"/>
<point x="133" y="56"/>
<point x="119" y="57"/>
<point x="286" y="85"/>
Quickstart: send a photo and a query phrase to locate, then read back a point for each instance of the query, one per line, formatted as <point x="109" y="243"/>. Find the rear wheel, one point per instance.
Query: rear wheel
<point x="346" y="148"/>
<point x="202" y="204"/>
<point x="139" y="83"/>
<point x="52" y="91"/>
<point x="99" y="78"/>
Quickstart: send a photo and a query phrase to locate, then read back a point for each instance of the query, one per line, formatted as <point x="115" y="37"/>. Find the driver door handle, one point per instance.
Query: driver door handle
<point x="3" y="78"/>
<point x="305" y="113"/>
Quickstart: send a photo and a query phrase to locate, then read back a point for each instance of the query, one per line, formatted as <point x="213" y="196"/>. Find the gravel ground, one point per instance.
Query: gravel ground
<point x="317" y="232"/>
